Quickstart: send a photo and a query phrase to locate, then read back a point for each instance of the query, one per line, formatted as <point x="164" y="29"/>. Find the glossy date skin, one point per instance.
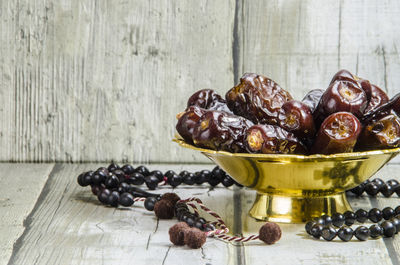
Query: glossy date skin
<point x="296" y="117"/>
<point x="337" y="134"/>
<point x="257" y="98"/>
<point x="381" y="134"/>
<point x="383" y="110"/>
<point x="376" y="98"/>
<point x="312" y="98"/>
<point x="219" y="130"/>
<point x="208" y="99"/>
<point x="271" y="139"/>
<point x="187" y="121"/>
<point x="340" y="96"/>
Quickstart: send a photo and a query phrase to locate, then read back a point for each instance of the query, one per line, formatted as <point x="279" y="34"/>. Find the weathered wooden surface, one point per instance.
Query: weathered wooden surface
<point x="20" y="187"/>
<point x="69" y="226"/>
<point x="94" y="80"/>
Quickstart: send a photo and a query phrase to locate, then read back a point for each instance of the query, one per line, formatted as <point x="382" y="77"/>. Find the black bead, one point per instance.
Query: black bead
<point x="396" y="222"/>
<point x="397" y="210"/>
<point x="175" y="180"/>
<point x="209" y="227"/>
<point x="103" y="196"/>
<point x="149" y="203"/>
<point x="113" y="199"/>
<point x="198" y="225"/>
<point x="388" y="228"/>
<point x="80" y="180"/>
<point x="358" y="190"/>
<point x="316" y="230"/>
<point x="180" y="213"/>
<point x="97" y="179"/>
<point x="199" y="178"/>
<point x="327" y="219"/>
<point x="309" y="225"/>
<point x="169" y="174"/>
<point x="387" y="190"/>
<point x="96" y="189"/>
<point x="218" y="172"/>
<point x="375" y="231"/>
<point x="158" y="174"/>
<point x="362" y="215"/>
<point x="361" y="233"/>
<point x="142" y="170"/>
<point x="349" y="217"/>
<point x="328" y="233"/>
<point x="151" y="182"/>
<point x="345" y="233"/>
<point x="378" y="182"/>
<point x="119" y="174"/>
<point x="202" y="220"/>
<point x="112" y="167"/>
<point x="128" y="169"/>
<point x="393" y="182"/>
<point x="375" y="215"/>
<point x="123" y="187"/>
<point x="397" y="190"/>
<point x="87" y="178"/>
<point x="214" y="178"/>
<point x="388" y="213"/>
<point x="184" y="173"/>
<point x="190" y="220"/>
<point x="126" y="199"/>
<point x="227" y="181"/>
<point x="338" y="219"/>
<point x="112" y="182"/>
<point x="189" y="178"/>
<point x="136" y="179"/>
<point x="372" y="189"/>
<point x="319" y="220"/>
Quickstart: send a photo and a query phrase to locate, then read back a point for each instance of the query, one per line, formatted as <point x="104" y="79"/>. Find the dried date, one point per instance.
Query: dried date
<point x="257" y="98"/>
<point x="271" y="139"/>
<point x="337" y="134"/>
<point x="381" y="134"/>
<point x="312" y="98"/>
<point x="296" y="117"/>
<point x="221" y="131"/>
<point x="187" y="121"/>
<point x="208" y="99"/>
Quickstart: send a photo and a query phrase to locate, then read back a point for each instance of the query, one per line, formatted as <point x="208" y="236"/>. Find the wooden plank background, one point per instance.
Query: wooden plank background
<point x="99" y="80"/>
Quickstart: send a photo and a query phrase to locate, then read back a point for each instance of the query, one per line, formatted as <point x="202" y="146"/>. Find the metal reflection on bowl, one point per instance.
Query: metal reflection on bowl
<point x="296" y="188"/>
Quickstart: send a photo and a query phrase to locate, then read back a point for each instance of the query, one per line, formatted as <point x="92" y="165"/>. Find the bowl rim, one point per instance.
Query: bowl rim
<point x="182" y="143"/>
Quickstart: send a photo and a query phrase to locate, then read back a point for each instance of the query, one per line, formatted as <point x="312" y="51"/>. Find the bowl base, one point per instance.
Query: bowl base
<point x="287" y="209"/>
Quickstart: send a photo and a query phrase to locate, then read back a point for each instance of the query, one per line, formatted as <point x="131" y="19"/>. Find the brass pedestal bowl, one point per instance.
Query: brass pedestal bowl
<point x="296" y="188"/>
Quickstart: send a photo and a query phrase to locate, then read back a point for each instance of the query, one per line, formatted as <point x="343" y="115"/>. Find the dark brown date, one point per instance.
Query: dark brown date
<point x="341" y="96"/>
<point x="208" y="99"/>
<point x="376" y="97"/>
<point x="338" y="134"/>
<point x="257" y="98"/>
<point x="344" y="75"/>
<point x="383" y="110"/>
<point x="381" y="134"/>
<point x="221" y="131"/>
<point x="187" y="121"/>
<point x="271" y="139"/>
<point x="296" y="117"/>
<point x="312" y="98"/>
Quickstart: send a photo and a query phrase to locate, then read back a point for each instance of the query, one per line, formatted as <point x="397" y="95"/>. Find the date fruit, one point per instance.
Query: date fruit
<point x="271" y="139"/>
<point x="296" y="117"/>
<point x="257" y="98"/>
<point x="376" y="97"/>
<point x="344" y="75"/>
<point x="337" y="134"/>
<point x="340" y="96"/>
<point x="312" y="98"/>
<point x="381" y="134"/>
<point x="208" y="99"/>
<point x="187" y="121"/>
<point x="221" y="131"/>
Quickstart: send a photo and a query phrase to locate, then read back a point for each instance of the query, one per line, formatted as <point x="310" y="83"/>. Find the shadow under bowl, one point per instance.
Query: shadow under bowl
<point x="297" y="188"/>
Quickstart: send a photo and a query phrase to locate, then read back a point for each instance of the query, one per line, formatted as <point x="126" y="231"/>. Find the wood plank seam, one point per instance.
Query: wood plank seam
<point x="28" y="220"/>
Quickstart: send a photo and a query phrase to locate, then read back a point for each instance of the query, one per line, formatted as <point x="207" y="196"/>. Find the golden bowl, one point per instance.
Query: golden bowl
<point x="296" y="188"/>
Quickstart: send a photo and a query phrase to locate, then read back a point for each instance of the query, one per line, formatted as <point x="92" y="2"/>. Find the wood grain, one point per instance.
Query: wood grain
<point x="71" y="227"/>
<point x="100" y="81"/>
<point x="20" y="187"/>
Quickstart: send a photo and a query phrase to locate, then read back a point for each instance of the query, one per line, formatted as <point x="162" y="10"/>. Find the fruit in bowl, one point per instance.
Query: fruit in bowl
<point x="300" y="156"/>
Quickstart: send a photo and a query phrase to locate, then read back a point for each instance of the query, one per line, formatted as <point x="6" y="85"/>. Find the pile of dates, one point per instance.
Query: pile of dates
<point x="258" y="116"/>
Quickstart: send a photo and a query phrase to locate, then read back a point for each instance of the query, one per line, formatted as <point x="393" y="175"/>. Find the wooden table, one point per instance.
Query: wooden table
<point x="46" y="218"/>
